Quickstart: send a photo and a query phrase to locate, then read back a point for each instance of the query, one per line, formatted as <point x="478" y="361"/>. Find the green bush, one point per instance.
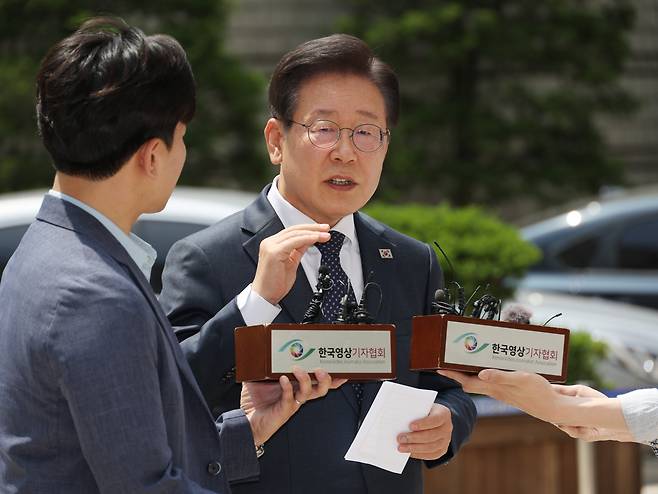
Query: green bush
<point x="585" y="353"/>
<point x="483" y="250"/>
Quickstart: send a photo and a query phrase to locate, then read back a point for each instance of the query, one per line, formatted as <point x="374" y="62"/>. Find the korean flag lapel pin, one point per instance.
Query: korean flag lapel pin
<point x="385" y="253"/>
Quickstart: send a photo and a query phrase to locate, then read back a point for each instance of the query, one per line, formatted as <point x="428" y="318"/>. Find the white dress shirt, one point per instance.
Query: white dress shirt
<point x="640" y="409"/>
<point x="139" y="251"/>
<point x="255" y="309"/>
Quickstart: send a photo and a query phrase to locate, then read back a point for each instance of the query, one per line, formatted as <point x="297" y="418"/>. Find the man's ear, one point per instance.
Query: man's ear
<point x="274" y="139"/>
<point x="149" y="157"/>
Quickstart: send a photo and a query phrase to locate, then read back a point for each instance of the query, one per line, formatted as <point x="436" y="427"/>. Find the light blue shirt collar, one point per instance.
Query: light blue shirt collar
<point x="139" y="251"/>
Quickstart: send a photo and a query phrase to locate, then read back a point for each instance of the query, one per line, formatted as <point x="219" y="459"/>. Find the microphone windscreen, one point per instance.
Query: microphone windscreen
<point x="323" y="269"/>
<point x="440" y="295"/>
<point x="516" y="313"/>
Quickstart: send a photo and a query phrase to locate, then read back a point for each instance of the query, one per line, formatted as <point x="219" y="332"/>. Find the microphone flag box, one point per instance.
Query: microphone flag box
<point x="361" y="352"/>
<point x="469" y="345"/>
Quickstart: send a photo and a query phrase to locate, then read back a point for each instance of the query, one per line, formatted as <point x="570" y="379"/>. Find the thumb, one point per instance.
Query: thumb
<point x="494" y="376"/>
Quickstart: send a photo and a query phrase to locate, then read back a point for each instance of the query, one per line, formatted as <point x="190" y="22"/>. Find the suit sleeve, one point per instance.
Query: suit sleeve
<point x="451" y="394"/>
<point x="204" y="321"/>
<point x="105" y="354"/>
<point x="238" y="449"/>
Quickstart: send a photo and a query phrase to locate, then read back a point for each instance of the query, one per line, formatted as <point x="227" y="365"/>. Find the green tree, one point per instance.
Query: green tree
<point x="223" y="140"/>
<point x="500" y="97"/>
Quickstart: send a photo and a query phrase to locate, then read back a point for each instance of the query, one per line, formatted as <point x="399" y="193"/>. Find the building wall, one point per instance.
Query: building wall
<point x="261" y="30"/>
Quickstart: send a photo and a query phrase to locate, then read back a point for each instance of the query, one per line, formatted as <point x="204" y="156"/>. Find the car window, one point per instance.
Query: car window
<point x="580" y="254"/>
<point x="638" y="246"/>
<point x="10" y="237"/>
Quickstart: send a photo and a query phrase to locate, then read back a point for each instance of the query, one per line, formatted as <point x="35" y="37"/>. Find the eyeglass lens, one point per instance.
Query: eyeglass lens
<point x="325" y="133"/>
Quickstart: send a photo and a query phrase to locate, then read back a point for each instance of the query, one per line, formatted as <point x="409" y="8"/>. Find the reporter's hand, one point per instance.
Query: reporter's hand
<point x="591" y="434"/>
<point x="269" y="405"/>
<point x="280" y="255"/>
<point x="577" y="390"/>
<point x="526" y="391"/>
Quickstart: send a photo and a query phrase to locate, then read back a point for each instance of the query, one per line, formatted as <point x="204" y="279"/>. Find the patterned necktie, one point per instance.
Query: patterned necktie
<point x="330" y="252"/>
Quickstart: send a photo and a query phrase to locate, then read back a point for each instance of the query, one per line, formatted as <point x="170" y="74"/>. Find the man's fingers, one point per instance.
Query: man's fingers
<point x="287" y="392"/>
<point x="320" y="235"/>
<point x="337" y="383"/>
<point x="298" y="242"/>
<point x="323" y="382"/>
<point x="311" y="227"/>
<point x="305" y="386"/>
<point x="426" y="436"/>
<point x="437" y="418"/>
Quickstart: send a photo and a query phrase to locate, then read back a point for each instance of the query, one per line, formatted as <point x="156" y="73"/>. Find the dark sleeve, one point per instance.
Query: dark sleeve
<point x="240" y="462"/>
<point x="204" y="321"/>
<point x="451" y="394"/>
<point x="105" y="357"/>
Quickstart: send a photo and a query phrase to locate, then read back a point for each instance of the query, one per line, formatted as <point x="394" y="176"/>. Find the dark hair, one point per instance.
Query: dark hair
<point x="338" y="53"/>
<point x="107" y="89"/>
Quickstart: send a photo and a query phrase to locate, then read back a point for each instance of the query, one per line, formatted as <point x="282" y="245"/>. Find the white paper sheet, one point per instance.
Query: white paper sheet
<point x="393" y="409"/>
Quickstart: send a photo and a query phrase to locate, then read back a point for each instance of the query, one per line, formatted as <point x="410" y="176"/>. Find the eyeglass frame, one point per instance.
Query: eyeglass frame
<point x="382" y="133"/>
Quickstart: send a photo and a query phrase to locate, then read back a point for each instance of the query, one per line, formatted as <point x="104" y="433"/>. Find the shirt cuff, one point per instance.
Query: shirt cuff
<point x="640" y="408"/>
<point x="255" y="309"/>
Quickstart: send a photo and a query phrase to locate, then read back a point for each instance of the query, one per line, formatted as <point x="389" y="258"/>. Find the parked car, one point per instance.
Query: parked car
<point x="608" y="248"/>
<point x="190" y="209"/>
<point x="630" y="332"/>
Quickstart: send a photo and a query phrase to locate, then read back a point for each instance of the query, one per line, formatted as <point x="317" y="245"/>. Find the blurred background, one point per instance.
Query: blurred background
<point x="527" y="148"/>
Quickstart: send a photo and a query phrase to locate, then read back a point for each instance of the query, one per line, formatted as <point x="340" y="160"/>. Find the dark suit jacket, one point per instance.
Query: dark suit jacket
<point x="95" y="394"/>
<point x="202" y="277"/>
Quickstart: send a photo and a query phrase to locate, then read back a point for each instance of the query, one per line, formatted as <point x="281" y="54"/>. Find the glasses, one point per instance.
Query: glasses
<point x="325" y="134"/>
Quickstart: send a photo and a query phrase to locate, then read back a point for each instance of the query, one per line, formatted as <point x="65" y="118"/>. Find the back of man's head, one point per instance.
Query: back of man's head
<point x="105" y="90"/>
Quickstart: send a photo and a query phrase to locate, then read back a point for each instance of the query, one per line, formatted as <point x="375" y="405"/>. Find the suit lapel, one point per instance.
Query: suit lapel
<point x="372" y="238"/>
<point x="260" y="222"/>
<point x="384" y="269"/>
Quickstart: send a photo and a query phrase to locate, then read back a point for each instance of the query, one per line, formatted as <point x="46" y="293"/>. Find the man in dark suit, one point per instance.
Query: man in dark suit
<point x="95" y="393"/>
<point x="332" y="105"/>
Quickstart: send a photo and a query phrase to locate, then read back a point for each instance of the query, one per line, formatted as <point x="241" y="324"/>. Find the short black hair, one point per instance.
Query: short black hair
<point x="105" y="90"/>
<point x="338" y="53"/>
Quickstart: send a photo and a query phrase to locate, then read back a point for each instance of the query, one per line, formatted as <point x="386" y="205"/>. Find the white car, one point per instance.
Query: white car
<point x="630" y="332"/>
<point x="190" y="209"/>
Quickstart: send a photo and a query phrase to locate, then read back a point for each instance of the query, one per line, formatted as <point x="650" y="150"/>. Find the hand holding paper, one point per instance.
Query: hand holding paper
<point x="395" y="407"/>
<point x="430" y="436"/>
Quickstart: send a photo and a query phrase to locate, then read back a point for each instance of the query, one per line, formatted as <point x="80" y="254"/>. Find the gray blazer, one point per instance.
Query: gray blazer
<point x="202" y="277"/>
<point x="95" y="394"/>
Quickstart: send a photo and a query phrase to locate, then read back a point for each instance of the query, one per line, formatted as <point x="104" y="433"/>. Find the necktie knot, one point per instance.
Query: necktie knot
<point x="332" y="247"/>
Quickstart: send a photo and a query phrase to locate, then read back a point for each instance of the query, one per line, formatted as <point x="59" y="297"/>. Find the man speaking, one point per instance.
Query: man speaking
<point x="333" y="104"/>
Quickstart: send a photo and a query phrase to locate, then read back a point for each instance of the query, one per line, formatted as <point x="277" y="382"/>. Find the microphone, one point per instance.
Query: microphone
<point x="314" y="309"/>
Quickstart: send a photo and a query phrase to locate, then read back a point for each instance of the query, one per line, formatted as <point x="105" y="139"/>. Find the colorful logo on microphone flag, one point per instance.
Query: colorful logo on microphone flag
<point x="471" y="344"/>
<point x="296" y="349"/>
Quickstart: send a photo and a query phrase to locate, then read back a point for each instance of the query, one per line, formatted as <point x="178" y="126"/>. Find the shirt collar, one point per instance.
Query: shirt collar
<point x="139" y="251"/>
<point x="291" y="216"/>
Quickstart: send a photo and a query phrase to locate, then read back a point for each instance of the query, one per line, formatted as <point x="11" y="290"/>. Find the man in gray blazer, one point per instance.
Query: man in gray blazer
<point x="95" y="393"/>
<point x="333" y="103"/>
